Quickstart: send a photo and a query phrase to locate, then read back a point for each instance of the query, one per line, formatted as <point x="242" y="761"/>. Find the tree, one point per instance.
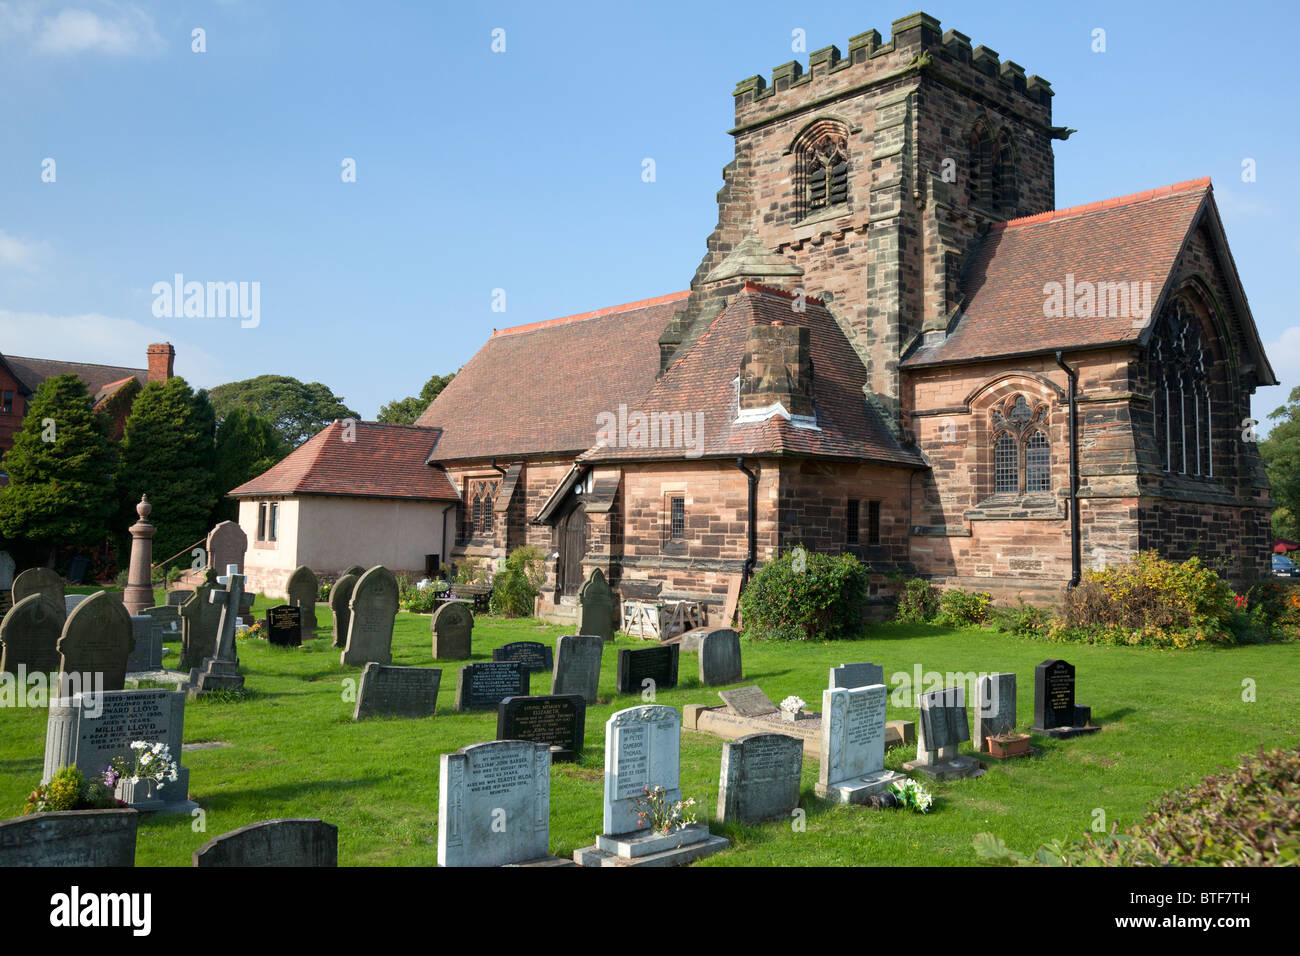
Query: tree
<point x="246" y="446"/>
<point x="296" y="410"/>
<point x="168" y="454"/>
<point x="61" y="469"/>
<point x="1281" y="454"/>
<point x="404" y="411"/>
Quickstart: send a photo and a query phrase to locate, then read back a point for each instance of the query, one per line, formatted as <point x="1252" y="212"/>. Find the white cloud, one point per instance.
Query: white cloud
<point x="103" y="26"/>
<point x="18" y="253"/>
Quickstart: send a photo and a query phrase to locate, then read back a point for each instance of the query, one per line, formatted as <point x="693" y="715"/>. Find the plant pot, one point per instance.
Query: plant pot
<point x="137" y="794"/>
<point x="792" y="715"/>
<point x="1012" y="745"/>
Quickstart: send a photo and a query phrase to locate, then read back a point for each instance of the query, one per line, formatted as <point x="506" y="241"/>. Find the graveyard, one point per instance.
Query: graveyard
<point x="289" y="746"/>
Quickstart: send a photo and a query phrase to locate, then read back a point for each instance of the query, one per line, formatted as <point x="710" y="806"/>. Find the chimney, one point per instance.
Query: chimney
<point x="161" y="357"/>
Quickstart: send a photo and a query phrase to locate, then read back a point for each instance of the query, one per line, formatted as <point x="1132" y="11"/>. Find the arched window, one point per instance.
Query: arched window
<point x="822" y="167"/>
<point x="1181" y="401"/>
<point x="1022" y="452"/>
<point x="993" y="186"/>
<point x="981" y="167"/>
<point x="1005" y="195"/>
<point x="481" y="496"/>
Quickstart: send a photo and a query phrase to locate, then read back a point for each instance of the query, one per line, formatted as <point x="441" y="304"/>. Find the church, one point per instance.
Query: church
<point x="895" y="345"/>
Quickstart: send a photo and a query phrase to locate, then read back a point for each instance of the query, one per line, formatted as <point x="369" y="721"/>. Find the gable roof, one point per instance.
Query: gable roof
<point x="703" y="382"/>
<point x="1136" y="238"/>
<point x="537" y="389"/>
<point x="33" y="371"/>
<point x="384" y="461"/>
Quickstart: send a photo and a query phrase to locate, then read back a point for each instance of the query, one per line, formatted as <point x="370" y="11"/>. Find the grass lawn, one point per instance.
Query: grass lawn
<point x="1170" y="717"/>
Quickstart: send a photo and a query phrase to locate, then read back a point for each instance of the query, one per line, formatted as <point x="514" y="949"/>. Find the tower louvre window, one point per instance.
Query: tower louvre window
<point x="822" y="167"/>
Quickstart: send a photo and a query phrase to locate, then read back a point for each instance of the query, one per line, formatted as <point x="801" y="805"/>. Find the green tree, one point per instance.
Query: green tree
<point x="168" y="454"/>
<point x="1281" y="454"/>
<point x="296" y="410"/>
<point x="404" y="411"/>
<point x="61" y="471"/>
<point x="247" y="445"/>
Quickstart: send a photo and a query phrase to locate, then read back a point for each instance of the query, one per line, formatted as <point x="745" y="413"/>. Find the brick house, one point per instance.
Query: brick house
<point x="895" y="345"/>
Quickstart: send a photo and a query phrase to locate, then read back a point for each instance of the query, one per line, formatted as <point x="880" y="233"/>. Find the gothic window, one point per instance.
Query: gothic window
<point x="481" y="497"/>
<point x="822" y="167"/>
<point x="981" y="167"/>
<point x="993" y="186"/>
<point x="1004" y="177"/>
<point x="1022" y="452"/>
<point x="1180" y="392"/>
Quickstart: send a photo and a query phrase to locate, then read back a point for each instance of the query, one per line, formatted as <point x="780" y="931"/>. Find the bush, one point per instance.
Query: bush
<point x="517" y="585"/>
<point x="1246" y="817"/>
<point x="68" y="789"/>
<point x="474" y="571"/>
<point x="173" y="575"/>
<point x="1153" y="601"/>
<point x="805" y="596"/>
<point x="1023" y="620"/>
<point x="421" y="600"/>
<point x="958" y="608"/>
<point x="918" y="602"/>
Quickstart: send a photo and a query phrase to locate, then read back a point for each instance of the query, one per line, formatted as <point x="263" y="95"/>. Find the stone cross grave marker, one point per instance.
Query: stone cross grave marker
<point x="852" y="759"/>
<point x="97" y="639"/>
<point x="494" y="804"/>
<point x="557" y="720"/>
<point x="30" y="634"/>
<point x="650" y="668"/>
<point x="340" y="595"/>
<point x="857" y="675"/>
<point x="759" y="778"/>
<point x="373" y="608"/>
<point x="452" y="628"/>
<point x="234" y="603"/>
<point x="720" y="657"/>
<point x="302" y="588"/>
<point x="577" y="665"/>
<point x="597" y="603"/>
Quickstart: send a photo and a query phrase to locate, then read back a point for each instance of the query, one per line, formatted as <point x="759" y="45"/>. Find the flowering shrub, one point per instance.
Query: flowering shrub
<point x="654" y="810"/>
<point x="421" y="597"/>
<point x="822" y="602"/>
<point x="958" y="608"/>
<point x="149" y="762"/>
<point x="918" y="602"/>
<point x="254" y="631"/>
<point x="518" y="583"/>
<point x="68" y="789"/>
<point x="911" y="795"/>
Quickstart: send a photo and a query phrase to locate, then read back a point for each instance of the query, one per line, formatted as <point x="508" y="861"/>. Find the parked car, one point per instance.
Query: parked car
<point x="1284" y="567"/>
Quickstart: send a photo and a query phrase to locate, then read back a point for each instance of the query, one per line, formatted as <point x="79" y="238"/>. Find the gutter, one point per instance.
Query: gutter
<point x="1076" y="560"/>
<point x="752" y="557"/>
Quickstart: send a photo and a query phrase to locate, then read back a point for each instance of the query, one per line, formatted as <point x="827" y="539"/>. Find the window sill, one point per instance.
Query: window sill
<point x="1044" y="506"/>
<point x="824" y="215"/>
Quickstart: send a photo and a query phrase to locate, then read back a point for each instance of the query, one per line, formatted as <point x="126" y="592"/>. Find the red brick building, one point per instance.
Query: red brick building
<point x="894" y="345"/>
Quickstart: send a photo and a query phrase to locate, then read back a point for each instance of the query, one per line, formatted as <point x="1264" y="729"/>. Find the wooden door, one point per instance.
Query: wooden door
<point x="572" y="547"/>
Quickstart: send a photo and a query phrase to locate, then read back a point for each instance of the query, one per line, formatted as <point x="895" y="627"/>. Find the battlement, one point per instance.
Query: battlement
<point x="915" y="45"/>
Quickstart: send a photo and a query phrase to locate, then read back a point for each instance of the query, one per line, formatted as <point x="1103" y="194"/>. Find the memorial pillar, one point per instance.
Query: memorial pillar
<point x="139" y="579"/>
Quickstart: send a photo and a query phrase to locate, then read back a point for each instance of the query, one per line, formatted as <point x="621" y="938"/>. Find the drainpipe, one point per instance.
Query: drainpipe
<point x="1076" y="560"/>
<point x="442" y="543"/>
<point x="752" y="558"/>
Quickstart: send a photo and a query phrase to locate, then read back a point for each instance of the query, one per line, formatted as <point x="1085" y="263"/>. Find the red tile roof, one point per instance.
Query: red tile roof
<point x="33" y="371"/>
<point x="702" y="381"/>
<point x="1127" y="239"/>
<point x="384" y="461"/>
<point x="537" y="389"/>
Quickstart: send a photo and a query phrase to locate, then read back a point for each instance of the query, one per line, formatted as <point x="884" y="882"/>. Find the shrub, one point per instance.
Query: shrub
<point x="823" y="601"/>
<point x="173" y="575"/>
<point x="68" y="789"/>
<point x="1245" y="817"/>
<point x="517" y="585"/>
<point x="323" y="591"/>
<point x="1023" y="620"/>
<point x="421" y="600"/>
<point x="1152" y="600"/>
<point x="918" y="602"/>
<point x="958" y="608"/>
<point x="474" y="571"/>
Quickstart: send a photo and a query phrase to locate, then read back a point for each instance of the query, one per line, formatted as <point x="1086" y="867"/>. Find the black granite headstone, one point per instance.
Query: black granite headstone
<point x="483" y="686"/>
<point x="658" y="664"/>
<point x="534" y="655"/>
<point x="284" y="625"/>
<point x="1055" y="712"/>
<point x="555" y="719"/>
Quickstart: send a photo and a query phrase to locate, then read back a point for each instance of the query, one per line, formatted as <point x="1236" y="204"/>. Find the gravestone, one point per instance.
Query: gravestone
<point x="642" y="753"/>
<point x="340" y="595"/>
<point x="200" y="622"/>
<point x="655" y="664"/>
<point x="180" y="595"/>
<point x="720" y="657"/>
<point x="483" y="685"/>
<point x="166" y="621"/>
<point x="302" y="588"/>
<point x="78" y="565"/>
<point x="7" y="568"/>
<point x="1055" y="712"/>
<point x="857" y="675"/>
<point x="748" y="702"/>
<point x="38" y="581"/>
<point x="97" y="639"/>
<point x="852" y="766"/>
<point x="941" y="727"/>
<point x="494" y="804"/>
<point x="371" y="611"/>
<point x="355" y="570"/>
<point x="452" y="628"/>
<point x="227" y="545"/>
<point x="288" y="842"/>
<point x="284" y="625"/>
<point x="577" y="665"/>
<point x="79" y="838"/>
<point x="71" y="602"/>
<point x="760" y="778"/>
<point x="387" y="691"/>
<point x="596" y="601"/>
<point x="88" y="730"/>
<point x="995" y="708"/>
<point x="30" y="636"/>
<point x="146" y="655"/>
<point x="534" y="655"/>
<point x="220" y="671"/>
<point x="557" y="720"/>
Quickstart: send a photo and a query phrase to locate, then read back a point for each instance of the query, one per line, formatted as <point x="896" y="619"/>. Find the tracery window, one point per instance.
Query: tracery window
<point x="1022" y="452"/>
<point x="992" y="185"/>
<point x="822" y="167"/>
<point x="480" y="497"/>
<point x="1181" y="399"/>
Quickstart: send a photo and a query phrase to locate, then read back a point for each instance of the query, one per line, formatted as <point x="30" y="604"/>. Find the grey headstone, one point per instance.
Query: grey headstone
<point x="340" y="595"/>
<point x="452" y="628"/>
<point x="7" y="567"/>
<point x="577" y="665"/>
<point x="534" y="655"/>
<point x="166" y="621"/>
<point x="484" y="685"/>
<point x="30" y="634"/>
<point x="97" y="639"/>
<point x="227" y="545"/>
<point x="39" y="581"/>
<point x="146" y="655"/>
<point x="179" y="596"/>
<point x="942" y="725"/>
<point x="857" y="675"/>
<point x="995" y="707"/>
<point x="287" y="842"/>
<point x="720" y="657"/>
<point x="748" y="701"/>
<point x="373" y="608"/>
<point x="642" y="749"/>
<point x="597" y="603"/>
<point x="397" y="691"/>
<point x="71" y="602"/>
<point x="79" y="838"/>
<point x="760" y="778"/>
<point x="494" y="804"/>
<point x="302" y="588"/>
<point x="200" y="622"/>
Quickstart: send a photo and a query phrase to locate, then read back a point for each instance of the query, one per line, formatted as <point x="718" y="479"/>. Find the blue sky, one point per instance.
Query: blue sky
<point x="519" y="170"/>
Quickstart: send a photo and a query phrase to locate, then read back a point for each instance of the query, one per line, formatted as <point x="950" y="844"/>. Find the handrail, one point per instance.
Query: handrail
<point x="188" y="547"/>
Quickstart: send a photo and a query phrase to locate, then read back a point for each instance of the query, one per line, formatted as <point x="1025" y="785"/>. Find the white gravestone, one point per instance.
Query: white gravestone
<point x="853" y="744"/>
<point x="494" y="804"/>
